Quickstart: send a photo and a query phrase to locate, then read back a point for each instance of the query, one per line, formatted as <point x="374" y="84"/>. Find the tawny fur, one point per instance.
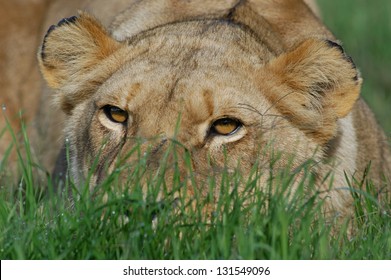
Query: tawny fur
<point x="269" y="63"/>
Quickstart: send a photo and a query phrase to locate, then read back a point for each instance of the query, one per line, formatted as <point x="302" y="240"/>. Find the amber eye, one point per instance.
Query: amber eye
<point x="226" y="126"/>
<point x="115" y="114"/>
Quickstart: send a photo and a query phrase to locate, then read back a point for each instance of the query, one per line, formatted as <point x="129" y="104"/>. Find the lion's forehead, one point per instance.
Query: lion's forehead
<point x="206" y="43"/>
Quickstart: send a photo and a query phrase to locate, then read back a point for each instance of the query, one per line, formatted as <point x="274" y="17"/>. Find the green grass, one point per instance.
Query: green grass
<point x="37" y="224"/>
<point x="107" y="223"/>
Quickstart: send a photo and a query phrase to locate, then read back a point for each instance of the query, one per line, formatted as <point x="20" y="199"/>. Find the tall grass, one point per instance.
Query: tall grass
<point x="112" y="222"/>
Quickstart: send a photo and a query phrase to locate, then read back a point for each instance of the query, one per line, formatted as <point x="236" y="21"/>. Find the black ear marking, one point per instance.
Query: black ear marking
<point x="51" y="28"/>
<point x="69" y="20"/>
<point x="333" y="44"/>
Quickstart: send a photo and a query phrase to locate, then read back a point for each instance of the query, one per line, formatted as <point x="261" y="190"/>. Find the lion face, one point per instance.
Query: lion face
<point x="216" y="89"/>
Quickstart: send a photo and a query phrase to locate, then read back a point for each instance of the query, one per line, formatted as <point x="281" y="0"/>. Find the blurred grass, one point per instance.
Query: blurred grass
<point x="364" y="27"/>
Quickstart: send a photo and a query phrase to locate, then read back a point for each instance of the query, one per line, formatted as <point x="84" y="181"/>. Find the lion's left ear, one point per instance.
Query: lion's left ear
<point x="313" y="86"/>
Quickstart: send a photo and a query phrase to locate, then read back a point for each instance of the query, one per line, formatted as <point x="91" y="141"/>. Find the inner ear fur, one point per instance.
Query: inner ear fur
<point x="71" y="49"/>
<point x="313" y="85"/>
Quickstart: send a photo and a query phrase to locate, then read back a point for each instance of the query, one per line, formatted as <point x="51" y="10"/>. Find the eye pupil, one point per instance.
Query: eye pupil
<point x="115" y="114"/>
<point x="226" y="126"/>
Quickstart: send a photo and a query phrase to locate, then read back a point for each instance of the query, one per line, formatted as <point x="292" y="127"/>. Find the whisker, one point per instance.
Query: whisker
<point x="249" y="108"/>
<point x="276" y="102"/>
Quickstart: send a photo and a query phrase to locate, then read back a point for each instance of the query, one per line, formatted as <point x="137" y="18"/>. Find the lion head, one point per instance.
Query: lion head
<point x="226" y="95"/>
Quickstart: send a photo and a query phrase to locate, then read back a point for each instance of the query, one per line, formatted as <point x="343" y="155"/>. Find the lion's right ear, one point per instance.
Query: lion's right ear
<point x="71" y="49"/>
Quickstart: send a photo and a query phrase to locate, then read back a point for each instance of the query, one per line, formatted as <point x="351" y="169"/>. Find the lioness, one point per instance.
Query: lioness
<point x="233" y="81"/>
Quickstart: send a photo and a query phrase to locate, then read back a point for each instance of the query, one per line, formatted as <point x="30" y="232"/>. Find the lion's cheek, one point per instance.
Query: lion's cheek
<point x="93" y="148"/>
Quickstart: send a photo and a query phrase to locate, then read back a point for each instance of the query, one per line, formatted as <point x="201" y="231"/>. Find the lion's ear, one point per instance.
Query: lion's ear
<point x="313" y="85"/>
<point x="71" y="49"/>
<point x="72" y="46"/>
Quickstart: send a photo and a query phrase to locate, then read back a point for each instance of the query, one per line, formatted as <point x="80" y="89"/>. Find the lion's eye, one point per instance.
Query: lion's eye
<point x="226" y="126"/>
<point x="115" y="114"/>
